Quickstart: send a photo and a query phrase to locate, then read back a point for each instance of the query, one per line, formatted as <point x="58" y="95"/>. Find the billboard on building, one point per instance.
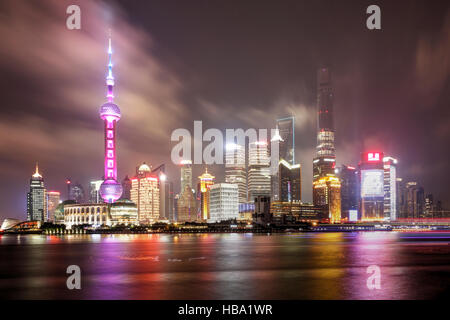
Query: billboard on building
<point x="372" y="183"/>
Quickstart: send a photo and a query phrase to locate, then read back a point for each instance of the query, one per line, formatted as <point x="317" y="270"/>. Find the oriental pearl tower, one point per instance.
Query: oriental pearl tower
<point x="110" y="190"/>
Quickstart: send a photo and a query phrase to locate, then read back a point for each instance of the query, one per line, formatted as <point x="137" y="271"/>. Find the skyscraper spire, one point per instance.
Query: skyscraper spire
<point x="37" y="174"/>
<point x="110" y="77"/>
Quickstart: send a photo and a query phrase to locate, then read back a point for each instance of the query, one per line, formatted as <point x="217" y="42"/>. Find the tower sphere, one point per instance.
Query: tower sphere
<point x="110" y="109"/>
<point x="110" y="191"/>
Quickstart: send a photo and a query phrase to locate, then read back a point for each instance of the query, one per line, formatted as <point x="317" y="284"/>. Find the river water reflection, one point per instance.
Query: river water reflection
<point x="226" y="266"/>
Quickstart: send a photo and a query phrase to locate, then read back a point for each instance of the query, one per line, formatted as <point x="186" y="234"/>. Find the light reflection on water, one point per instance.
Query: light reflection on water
<point x="226" y="266"/>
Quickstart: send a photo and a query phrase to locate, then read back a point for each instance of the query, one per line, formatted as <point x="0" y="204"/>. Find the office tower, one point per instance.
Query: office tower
<point x="76" y="192"/>
<point x="429" y="206"/>
<point x="53" y="200"/>
<point x="349" y="190"/>
<point x="224" y="203"/>
<point x="401" y="198"/>
<point x="285" y="135"/>
<point x="187" y="206"/>
<point x="166" y="197"/>
<point x="263" y="214"/>
<point x="175" y="207"/>
<point x="110" y="190"/>
<point x="327" y="194"/>
<point x="372" y="186"/>
<point x="186" y="174"/>
<point x="325" y="160"/>
<point x="286" y="131"/>
<point x="290" y="186"/>
<point x="126" y="187"/>
<point x="37" y="198"/>
<point x="206" y="180"/>
<point x="415" y="200"/>
<point x="258" y="170"/>
<point x="94" y="191"/>
<point x="390" y="188"/>
<point x="145" y="194"/>
<point x="235" y="170"/>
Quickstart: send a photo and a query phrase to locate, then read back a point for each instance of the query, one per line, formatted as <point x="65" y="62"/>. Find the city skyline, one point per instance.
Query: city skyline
<point x="83" y="164"/>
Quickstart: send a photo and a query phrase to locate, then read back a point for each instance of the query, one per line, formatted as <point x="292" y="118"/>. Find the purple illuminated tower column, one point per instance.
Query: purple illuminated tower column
<point x="110" y="190"/>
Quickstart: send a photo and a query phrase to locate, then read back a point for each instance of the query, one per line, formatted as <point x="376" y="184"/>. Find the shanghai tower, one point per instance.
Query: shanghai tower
<point x="325" y="160"/>
<point x="110" y="190"/>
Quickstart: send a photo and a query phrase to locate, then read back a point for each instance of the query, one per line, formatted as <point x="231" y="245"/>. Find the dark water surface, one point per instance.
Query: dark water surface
<point x="226" y="266"/>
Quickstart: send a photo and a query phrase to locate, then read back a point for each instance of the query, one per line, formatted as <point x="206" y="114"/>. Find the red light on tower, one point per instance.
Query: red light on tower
<point x="373" y="156"/>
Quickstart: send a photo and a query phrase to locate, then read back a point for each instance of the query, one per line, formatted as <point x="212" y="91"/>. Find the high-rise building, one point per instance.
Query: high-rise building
<point x="349" y="190"/>
<point x="37" y="198"/>
<point x="53" y="200"/>
<point x="186" y="174"/>
<point x="145" y="194"/>
<point x="235" y="170"/>
<point x="167" y="199"/>
<point x="76" y="192"/>
<point x="415" y="200"/>
<point x="327" y="194"/>
<point x="286" y="130"/>
<point x="371" y="172"/>
<point x="94" y="191"/>
<point x="224" y="203"/>
<point x="206" y="180"/>
<point x="429" y="206"/>
<point x="285" y="136"/>
<point x="126" y="186"/>
<point x="290" y="185"/>
<point x="390" y="188"/>
<point x="325" y="160"/>
<point x="110" y="190"/>
<point x="259" y="170"/>
<point x="187" y="206"/>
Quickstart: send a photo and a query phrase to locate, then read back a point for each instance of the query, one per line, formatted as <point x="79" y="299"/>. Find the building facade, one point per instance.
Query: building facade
<point x="327" y="194"/>
<point x="224" y="204"/>
<point x="371" y="172"/>
<point x="206" y="180"/>
<point x="145" y="194"/>
<point x="289" y="182"/>
<point x="187" y="206"/>
<point x="53" y="200"/>
<point x="94" y="191"/>
<point x="101" y="214"/>
<point x="235" y="169"/>
<point x="348" y="177"/>
<point x="259" y="179"/>
<point x="186" y="174"/>
<point x="390" y="188"/>
<point x="37" y="198"/>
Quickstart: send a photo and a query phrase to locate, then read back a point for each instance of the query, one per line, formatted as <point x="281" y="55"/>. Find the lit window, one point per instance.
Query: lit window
<point x="110" y="124"/>
<point x="110" y="134"/>
<point x="110" y="144"/>
<point x="110" y="163"/>
<point x="110" y="154"/>
<point x="110" y="173"/>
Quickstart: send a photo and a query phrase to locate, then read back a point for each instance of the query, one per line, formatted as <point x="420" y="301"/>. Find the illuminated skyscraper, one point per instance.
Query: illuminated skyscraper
<point x="224" y="202"/>
<point x="186" y="174"/>
<point x="289" y="182"/>
<point x="53" y="200"/>
<point x="325" y="160"/>
<point x="390" y="188"/>
<point x="187" y="206"/>
<point x="110" y="190"/>
<point x="286" y="130"/>
<point x="126" y="186"/>
<point x="94" y="191"/>
<point x="349" y="190"/>
<point x="327" y="194"/>
<point x="37" y="198"/>
<point x="145" y="194"/>
<point x="371" y="172"/>
<point x="415" y="200"/>
<point x="205" y="183"/>
<point x="76" y="192"/>
<point x="259" y="170"/>
<point x="235" y="172"/>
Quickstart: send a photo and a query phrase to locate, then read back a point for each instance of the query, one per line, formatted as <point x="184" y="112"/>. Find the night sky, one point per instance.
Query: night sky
<point x="231" y="64"/>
